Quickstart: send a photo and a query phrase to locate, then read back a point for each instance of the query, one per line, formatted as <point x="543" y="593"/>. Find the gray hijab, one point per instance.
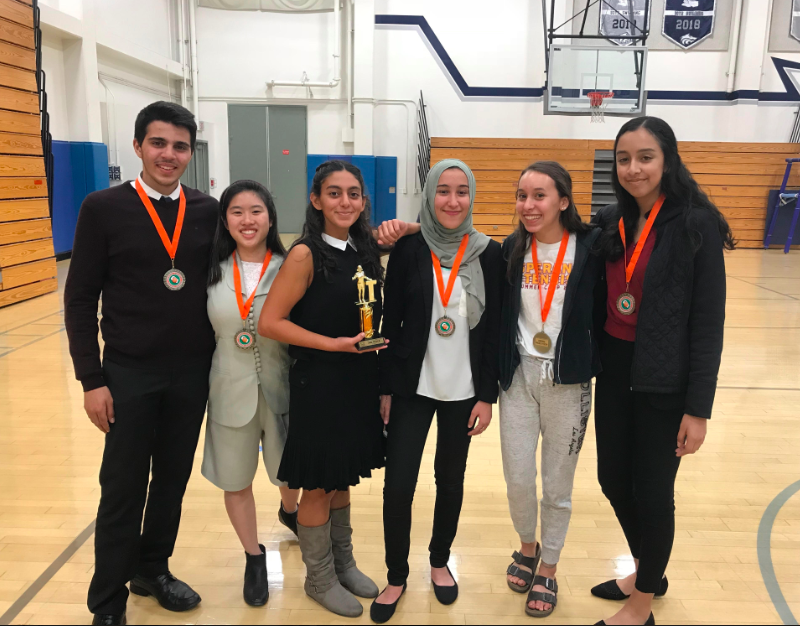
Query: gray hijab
<point x="444" y="242"/>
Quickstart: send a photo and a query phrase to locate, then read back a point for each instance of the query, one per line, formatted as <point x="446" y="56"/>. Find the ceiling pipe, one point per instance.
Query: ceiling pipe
<point x="737" y="26"/>
<point x="337" y="59"/>
<point x="193" y="51"/>
<point x="182" y="50"/>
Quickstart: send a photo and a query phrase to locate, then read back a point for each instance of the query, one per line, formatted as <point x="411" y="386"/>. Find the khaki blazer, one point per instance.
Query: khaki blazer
<point x="236" y="373"/>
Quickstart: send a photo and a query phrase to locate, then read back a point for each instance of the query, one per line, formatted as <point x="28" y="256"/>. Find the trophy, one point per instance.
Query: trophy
<point x="366" y="298"/>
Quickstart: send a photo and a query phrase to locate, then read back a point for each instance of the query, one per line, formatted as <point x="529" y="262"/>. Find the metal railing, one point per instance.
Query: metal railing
<point x="423" y="143"/>
<point x="41" y="84"/>
<point x="795" y="136"/>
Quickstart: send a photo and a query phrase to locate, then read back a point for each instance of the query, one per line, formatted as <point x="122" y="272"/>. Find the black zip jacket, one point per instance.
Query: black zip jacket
<point x="679" y="332"/>
<point x="577" y="356"/>
<point x="408" y="295"/>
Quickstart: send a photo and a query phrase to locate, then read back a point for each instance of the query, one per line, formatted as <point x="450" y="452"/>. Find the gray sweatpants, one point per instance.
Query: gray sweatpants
<point x="533" y="405"/>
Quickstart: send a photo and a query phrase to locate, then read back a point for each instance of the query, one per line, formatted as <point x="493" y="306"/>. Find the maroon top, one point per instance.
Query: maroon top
<point x="619" y="325"/>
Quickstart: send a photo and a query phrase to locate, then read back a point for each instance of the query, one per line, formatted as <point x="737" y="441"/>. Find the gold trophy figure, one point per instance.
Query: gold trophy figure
<point x="366" y="287"/>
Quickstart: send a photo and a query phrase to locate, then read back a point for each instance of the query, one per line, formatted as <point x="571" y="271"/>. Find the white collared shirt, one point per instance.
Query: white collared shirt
<point x="338" y="243"/>
<point x="152" y="193"/>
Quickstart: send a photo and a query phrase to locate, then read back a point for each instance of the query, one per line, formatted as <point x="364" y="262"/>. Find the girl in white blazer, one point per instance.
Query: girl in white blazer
<point x="248" y="402"/>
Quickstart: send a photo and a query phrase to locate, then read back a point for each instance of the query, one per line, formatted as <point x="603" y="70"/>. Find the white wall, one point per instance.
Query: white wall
<point x="148" y="23"/>
<point x="53" y="66"/>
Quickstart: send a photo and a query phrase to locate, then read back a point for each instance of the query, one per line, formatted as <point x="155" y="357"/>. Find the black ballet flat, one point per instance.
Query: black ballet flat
<point x="610" y="590"/>
<point x="651" y="621"/>
<point x="446" y="595"/>
<point x="382" y="613"/>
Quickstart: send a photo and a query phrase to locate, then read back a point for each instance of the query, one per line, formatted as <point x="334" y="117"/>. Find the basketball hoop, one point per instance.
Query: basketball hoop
<point x="598" y="100"/>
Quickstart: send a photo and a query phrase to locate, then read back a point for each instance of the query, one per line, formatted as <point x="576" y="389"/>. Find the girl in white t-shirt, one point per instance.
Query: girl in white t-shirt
<point x="548" y="356"/>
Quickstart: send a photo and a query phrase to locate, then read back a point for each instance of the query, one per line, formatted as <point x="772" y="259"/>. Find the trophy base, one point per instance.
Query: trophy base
<point x="367" y="344"/>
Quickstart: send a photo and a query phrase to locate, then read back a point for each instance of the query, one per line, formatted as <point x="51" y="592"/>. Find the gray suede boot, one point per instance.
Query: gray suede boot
<point x="350" y="576"/>
<point x="321" y="584"/>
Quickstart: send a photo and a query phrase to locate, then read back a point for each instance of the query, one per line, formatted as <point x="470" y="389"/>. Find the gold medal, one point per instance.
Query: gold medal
<point x="542" y="343"/>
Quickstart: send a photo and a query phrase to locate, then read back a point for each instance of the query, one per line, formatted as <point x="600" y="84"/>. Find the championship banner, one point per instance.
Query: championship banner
<point x="794" y="29"/>
<point x="623" y="18"/>
<point x="688" y="22"/>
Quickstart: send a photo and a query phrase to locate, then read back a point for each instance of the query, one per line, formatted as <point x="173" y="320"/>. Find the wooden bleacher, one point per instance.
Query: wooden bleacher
<point x="27" y="263"/>
<point x="737" y="176"/>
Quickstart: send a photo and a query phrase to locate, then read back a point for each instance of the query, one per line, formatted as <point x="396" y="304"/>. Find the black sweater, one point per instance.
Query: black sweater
<point x="118" y="253"/>
<point x="407" y="311"/>
<point x="577" y="357"/>
<point x="681" y="320"/>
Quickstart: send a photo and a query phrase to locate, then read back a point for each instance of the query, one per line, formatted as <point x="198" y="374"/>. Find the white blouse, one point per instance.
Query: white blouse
<point x="446" y="371"/>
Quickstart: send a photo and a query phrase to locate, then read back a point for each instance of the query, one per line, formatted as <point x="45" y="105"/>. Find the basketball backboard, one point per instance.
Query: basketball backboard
<point x="576" y="71"/>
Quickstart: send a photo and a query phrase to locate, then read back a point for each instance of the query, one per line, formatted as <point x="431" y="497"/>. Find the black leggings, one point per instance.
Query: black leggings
<point x="637" y="435"/>
<point x="407" y="431"/>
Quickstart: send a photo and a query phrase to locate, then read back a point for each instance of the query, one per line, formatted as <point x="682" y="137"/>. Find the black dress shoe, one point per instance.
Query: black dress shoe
<point x="288" y="519"/>
<point x="610" y="590"/>
<point x="382" y="613"/>
<point x="446" y="595"/>
<point x="109" y="620"/>
<point x="651" y="621"/>
<point x="171" y="593"/>
<point x="256" y="584"/>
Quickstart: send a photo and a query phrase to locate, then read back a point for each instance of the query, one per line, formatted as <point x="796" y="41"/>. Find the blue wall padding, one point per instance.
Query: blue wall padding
<point x="79" y="168"/>
<point x="385" y="189"/>
<point x="380" y="174"/>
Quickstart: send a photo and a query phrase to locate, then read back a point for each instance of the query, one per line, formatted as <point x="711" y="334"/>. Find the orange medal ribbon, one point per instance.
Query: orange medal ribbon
<point x="437" y="268"/>
<point x="244" y="307"/>
<point x="562" y="250"/>
<point x="171" y="246"/>
<point x="631" y="266"/>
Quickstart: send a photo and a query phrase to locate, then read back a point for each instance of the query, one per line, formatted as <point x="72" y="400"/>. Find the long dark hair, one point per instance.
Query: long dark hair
<point x="570" y="218"/>
<point x="360" y="231"/>
<point x="677" y="183"/>
<point x="224" y="244"/>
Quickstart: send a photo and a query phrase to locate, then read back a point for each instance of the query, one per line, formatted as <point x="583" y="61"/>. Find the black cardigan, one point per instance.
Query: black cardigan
<point x="577" y="358"/>
<point x="679" y="331"/>
<point x="407" y="310"/>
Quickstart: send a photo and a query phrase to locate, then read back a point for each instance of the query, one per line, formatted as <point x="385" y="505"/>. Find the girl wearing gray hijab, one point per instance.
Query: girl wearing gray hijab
<point x="442" y="300"/>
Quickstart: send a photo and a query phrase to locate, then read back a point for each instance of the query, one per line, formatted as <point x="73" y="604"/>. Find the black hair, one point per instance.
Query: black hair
<point x="360" y="232"/>
<point x="570" y="218"/>
<point x="168" y="112"/>
<point x="677" y="184"/>
<point x="224" y="244"/>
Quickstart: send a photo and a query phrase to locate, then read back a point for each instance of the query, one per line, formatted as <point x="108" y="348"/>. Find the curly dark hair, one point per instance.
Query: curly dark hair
<point x="224" y="244"/>
<point x="360" y="232"/>
<point x="677" y="183"/>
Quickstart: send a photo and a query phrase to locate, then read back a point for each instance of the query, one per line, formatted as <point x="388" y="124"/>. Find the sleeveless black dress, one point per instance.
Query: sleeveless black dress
<point x="335" y="429"/>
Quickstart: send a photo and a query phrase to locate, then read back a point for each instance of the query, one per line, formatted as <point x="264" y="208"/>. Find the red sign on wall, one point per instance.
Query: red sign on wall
<point x="285" y="153"/>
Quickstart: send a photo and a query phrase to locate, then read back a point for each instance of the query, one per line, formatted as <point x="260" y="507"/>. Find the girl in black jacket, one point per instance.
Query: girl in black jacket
<point x="548" y="357"/>
<point x="441" y="315"/>
<point x="661" y="344"/>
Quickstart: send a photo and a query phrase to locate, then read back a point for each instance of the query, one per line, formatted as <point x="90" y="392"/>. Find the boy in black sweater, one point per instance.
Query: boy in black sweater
<point x="145" y="247"/>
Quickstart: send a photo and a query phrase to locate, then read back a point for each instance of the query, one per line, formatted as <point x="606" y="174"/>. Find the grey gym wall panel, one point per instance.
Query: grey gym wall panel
<point x="718" y="41"/>
<point x="288" y="155"/>
<point x="247" y="141"/>
<point x="779" y="38"/>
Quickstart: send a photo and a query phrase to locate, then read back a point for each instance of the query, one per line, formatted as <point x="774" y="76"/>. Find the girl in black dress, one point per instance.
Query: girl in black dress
<point x="335" y="433"/>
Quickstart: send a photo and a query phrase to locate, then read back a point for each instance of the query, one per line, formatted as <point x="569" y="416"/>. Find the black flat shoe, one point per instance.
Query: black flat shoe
<point x="109" y="620"/>
<point x="446" y="595"/>
<point x="288" y="519"/>
<point x="171" y="593"/>
<point x="382" y="613"/>
<point x="610" y="590"/>
<point x="256" y="583"/>
<point x="651" y="621"/>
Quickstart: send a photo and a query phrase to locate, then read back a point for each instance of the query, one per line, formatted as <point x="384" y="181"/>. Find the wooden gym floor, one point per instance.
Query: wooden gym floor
<point x="727" y="509"/>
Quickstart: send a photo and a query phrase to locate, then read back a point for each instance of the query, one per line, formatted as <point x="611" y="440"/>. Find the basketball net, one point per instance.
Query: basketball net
<point x="598" y="100"/>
